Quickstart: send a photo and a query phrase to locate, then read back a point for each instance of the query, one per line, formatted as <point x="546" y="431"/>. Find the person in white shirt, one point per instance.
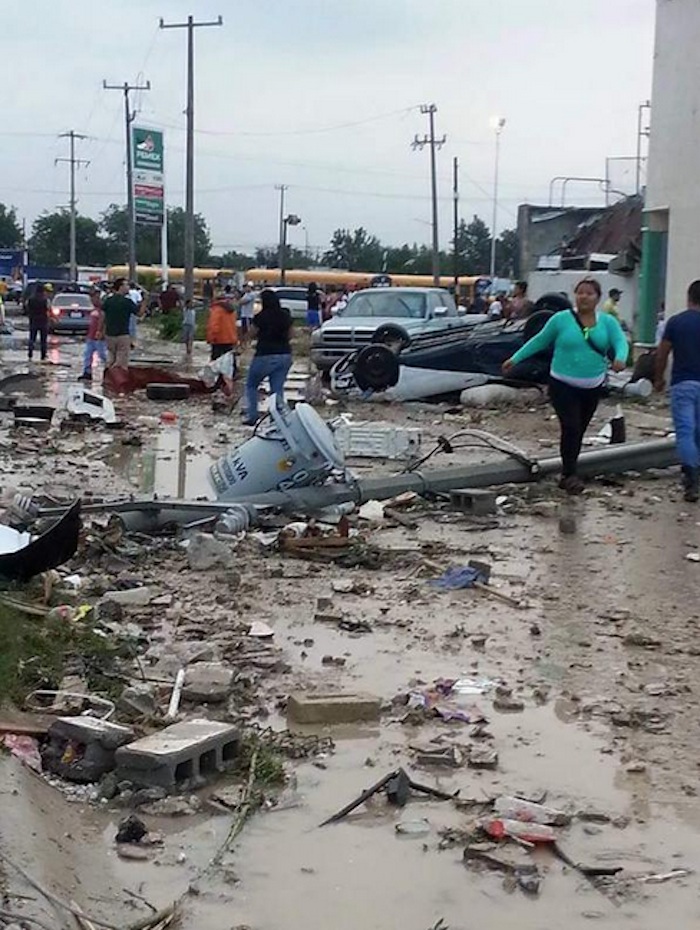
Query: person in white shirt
<point x="495" y="311"/>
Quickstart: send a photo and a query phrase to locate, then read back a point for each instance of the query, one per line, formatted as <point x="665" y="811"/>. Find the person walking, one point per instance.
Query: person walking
<point x="95" y="339"/>
<point x="189" y="321"/>
<point x="117" y="310"/>
<point x="584" y="341"/>
<point x="681" y="337"/>
<point x="273" y="353"/>
<point x="38" y="311"/>
<point x="313" y="306"/>
<point x="246" y="307"/>
<point x="222" y="327"/>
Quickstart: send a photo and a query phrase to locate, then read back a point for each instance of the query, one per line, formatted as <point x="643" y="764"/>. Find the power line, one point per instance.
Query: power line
<point x="294" y="132"/>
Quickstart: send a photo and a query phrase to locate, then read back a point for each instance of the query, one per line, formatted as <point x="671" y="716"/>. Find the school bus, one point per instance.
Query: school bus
<point x="467" y="284"/>
<point x="175" y="275"/>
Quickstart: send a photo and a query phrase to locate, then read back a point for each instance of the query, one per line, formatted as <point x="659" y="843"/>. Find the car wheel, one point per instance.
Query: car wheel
<point x="536" y="322"/>
<point x="376" y="368"/>
<point x="394" y="337"/>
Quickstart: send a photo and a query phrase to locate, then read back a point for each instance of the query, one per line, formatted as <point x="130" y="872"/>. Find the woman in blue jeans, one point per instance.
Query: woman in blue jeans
<point x="273" y="353"/>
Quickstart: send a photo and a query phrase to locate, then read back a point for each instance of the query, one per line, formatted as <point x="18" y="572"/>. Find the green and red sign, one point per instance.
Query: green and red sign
<point x="149" y="191"/>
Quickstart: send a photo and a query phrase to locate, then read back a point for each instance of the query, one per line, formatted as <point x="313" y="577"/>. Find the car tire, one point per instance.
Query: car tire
<point x="376" y="368"/>
<point x="390" y="335"/>
<point x="536" y="322"/>
<point x="167" y="391"/>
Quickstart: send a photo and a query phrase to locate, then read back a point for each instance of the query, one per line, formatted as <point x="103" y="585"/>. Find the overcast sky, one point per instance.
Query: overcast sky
<point x="324" y="95"/>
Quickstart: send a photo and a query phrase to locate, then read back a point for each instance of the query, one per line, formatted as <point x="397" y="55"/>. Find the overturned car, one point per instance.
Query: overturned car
<point x="398" y="367"/>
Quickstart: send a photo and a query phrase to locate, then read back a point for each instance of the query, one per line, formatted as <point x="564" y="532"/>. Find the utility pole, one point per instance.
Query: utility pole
<point x="73" y="162"/>
<point x="129" y="117"/>
<point x="641" y="133"/>
<point x="282" y="188"/>
<point x="190" y="26"/>
<point x="497" y="123"/>
<point x="434" y="144"/>
<point x="455" y="195"/>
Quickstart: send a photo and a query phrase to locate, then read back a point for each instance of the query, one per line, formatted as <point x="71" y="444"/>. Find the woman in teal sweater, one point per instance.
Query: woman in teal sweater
<point x="584" y="341"/>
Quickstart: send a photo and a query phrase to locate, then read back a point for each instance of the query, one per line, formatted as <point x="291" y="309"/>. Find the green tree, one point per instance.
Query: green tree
<point x="10" y="231"/>
<point x="508" y="254"/>
<point x="355" y="251"/>
<point x="50" y="240"/>
<point x="115" y="227"/>
<point x="473" y="247"/>
<point x="266" y="257"/>
<point x="237" y="261"/>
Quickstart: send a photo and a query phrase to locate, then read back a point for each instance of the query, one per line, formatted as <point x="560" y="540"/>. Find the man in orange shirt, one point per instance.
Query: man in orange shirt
<point x="222" y="327"/>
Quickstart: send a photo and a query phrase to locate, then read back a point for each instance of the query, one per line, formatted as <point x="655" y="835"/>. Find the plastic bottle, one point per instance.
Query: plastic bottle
<point x="529" y="832"/>
<point x="234" y="521"/>
<point x="528" y="812"/>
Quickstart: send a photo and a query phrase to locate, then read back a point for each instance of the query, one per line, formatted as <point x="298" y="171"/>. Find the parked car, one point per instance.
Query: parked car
<point x="56" y="287"/>
<point x="292" y="299"/>
<point x="397" y="316"/>
<point x="70" y="313"/>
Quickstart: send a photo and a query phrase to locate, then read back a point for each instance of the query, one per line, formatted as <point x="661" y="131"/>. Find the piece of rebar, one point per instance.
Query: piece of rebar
<point x="365" y="796"/>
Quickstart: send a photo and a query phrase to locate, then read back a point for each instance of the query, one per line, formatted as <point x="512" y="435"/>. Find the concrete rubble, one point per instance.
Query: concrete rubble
<point x="312" y="648"/>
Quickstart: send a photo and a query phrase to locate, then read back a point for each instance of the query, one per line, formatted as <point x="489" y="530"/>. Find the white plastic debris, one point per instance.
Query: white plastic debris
<point x="260" y="630"/>
<point x="376" y="440"/>
<point x="372" y="511"/>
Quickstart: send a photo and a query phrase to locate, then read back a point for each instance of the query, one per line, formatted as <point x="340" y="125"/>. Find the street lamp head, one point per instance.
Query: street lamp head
<point x="497" y="123"/>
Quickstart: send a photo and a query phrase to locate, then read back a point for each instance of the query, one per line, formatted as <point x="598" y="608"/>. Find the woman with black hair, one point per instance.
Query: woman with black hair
<point x="273" y="353"/>
<point x="586" y="342"/>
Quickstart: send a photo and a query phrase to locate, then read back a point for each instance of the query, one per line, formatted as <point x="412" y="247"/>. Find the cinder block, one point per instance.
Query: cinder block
<point x="332" y="708"/>
<point x="181" y="752"/>
<point x="477" y="501"/>
<point x="82" y="749"/>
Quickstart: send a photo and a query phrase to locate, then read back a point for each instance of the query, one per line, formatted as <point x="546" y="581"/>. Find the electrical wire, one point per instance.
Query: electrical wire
<point x="481" y="439"/>
<point x="295" y="132"/>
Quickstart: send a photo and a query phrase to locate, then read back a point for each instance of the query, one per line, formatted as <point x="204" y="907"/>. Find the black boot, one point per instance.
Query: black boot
<point x="691" y="483"/>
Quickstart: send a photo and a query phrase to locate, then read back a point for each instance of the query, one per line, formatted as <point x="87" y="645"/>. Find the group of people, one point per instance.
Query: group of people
<point x="271" y="327"/>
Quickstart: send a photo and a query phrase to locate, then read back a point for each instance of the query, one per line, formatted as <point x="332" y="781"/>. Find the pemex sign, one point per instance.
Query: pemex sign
<point x="149" y="191"/>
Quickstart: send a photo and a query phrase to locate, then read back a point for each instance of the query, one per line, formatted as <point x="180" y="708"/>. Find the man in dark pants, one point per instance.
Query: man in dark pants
<point x="682" y="338"/>
<point x="38" y="310"/>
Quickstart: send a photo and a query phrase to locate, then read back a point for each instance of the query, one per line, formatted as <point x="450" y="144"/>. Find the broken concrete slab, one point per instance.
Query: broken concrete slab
<point x="332" y="708"/>
<point x="206" y="552"/>
<point x="179" y="753"/>
<point x="82" y="749"/>
<point x="208" y="682"/>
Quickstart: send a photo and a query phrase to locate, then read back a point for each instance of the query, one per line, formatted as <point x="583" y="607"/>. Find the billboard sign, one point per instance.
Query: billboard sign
<point x="148" y="180"/>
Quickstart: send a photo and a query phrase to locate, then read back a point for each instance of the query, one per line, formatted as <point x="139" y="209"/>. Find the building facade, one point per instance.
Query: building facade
<point x="671" y="241"/>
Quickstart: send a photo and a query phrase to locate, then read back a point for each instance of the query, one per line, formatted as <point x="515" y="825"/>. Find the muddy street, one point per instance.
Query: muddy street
<point x="574" y="686"/>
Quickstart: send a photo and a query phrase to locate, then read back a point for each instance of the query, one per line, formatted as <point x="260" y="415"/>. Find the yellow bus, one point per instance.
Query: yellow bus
<point x="175" y="275"/>
<point x="296" y="277"/>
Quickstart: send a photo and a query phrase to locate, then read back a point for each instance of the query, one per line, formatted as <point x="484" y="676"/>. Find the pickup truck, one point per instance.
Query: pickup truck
<point x="400" y="316"/>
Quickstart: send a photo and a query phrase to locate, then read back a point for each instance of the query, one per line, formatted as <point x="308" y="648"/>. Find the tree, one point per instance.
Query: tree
<point x="474" y="247"/>
<point x="508" y="254"/>
<point x="148" y="248"/>
<point x="50" y="240"/>
<point x="10" y="231"/>
<point x="355" y="251"/>
<point x="266" y="257"/>
<point x="237" y="261"/>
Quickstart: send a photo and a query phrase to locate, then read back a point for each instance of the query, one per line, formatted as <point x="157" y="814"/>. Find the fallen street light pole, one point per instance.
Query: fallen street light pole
<point x="613" y="459"/>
